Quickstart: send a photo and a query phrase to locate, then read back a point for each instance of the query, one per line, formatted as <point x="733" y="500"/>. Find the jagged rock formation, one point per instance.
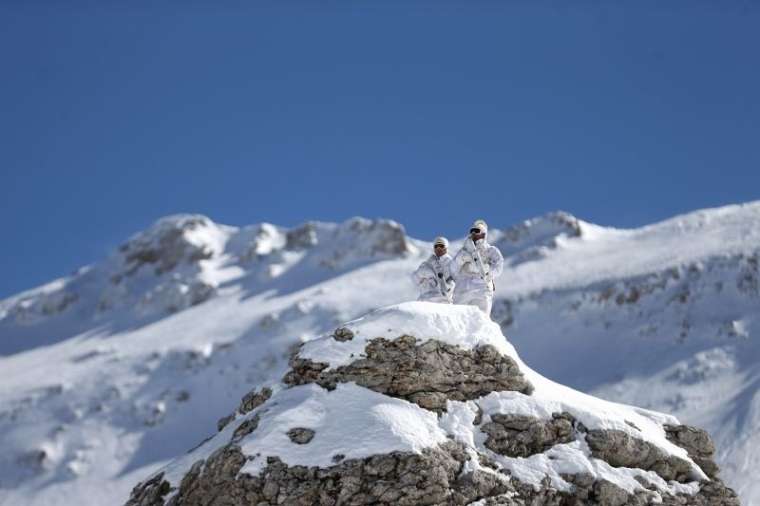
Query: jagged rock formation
<point x="532" y="239"/>
<point x="479" y="428"/>
<point x="427" y="374"/>
<point x="523" y="436"/>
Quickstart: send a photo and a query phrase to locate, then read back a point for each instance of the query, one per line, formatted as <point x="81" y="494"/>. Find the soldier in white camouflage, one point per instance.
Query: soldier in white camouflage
<point x="434" y="277"/>
<point x="476" y="266"/>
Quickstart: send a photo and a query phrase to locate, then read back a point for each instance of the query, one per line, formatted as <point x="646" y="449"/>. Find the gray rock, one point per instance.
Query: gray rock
<point x="405" y="479"/>
<point x="254" y="399"/>
<point x="620" y="449"/>
<point x="301" y="435"/>
<point x="343" y="334"/>
<point x="164" y="245"/>
<point x="302" y="237"/>
<point x="523" y="436"/>
<point x="245" y="428"/>
<point x="697" y="444"/>
<point x="427" y="374"/>
<point x="224" y="421"/>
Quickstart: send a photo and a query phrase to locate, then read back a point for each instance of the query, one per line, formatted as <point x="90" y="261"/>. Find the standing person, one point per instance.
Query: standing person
<point x="476" y="266"/>
<point x="434" y="277"/>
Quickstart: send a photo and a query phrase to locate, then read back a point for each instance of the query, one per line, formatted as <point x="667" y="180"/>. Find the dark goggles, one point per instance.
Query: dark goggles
<point x="439" y="246"/>
<point x="474" y="230"/>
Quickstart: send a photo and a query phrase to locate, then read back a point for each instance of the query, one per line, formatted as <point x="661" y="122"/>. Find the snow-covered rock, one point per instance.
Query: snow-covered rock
<point x="534" y="238"/>
<point x="348" y="426"/>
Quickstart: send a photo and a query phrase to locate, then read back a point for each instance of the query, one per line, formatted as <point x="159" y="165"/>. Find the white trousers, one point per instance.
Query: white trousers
<point x="481" y="300"/>
<point x="427" y="297"/>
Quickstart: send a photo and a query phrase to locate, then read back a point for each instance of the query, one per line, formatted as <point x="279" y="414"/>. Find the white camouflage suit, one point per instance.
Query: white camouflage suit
<point x="471" y="288"/>
<point x="428" y="275"/>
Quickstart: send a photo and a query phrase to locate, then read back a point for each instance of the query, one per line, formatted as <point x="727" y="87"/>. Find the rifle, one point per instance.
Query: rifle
<point x="485" y="276"/>
<point x="441" y="282"/>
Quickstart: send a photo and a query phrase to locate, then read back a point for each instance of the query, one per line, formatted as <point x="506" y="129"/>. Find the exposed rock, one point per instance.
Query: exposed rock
<point x="165" y="245"/>
<point x="531" y="239"/>
<point x="697" y="443"/>
<point x="748" y="279"/>
<point x="224" y="421"/>
<point x="300" y="435"/>
<point x="254" y="399"/>
<point x="433" y="477"/>
<point x="245" y="428"/>
<point x="150" y="493"/>
<point x="523" y="436"/>
<point x="248" y="403"/>
<point x="343" y="334"/>
<point x="33" y="309"/>
<point x="620" y="449"/>
<point x="427" y="374"/>
<point x="302" y="237"/>
<point x="175" y="295"/>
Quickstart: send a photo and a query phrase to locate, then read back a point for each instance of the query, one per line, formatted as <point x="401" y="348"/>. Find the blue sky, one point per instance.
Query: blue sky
<point x="430" y="113"/>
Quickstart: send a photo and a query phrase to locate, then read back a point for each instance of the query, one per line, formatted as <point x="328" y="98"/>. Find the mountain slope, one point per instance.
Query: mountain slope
<point x="113" y="371"/>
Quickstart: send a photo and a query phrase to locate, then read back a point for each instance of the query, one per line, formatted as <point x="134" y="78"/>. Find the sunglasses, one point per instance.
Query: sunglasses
<point x="440" y="246"/>
<point x="474" y="230"/>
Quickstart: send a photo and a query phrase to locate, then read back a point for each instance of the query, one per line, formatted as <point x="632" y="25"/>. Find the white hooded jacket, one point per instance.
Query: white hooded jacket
<point x="426" y="278"/>
<point x="469" y="279"/>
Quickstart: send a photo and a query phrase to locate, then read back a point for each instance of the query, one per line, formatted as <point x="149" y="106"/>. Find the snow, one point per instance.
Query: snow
<point x="350" y="421"/>
<point x="356" y="422"/>
<point x="95" y="382"/>
<point x="464" y="326"/>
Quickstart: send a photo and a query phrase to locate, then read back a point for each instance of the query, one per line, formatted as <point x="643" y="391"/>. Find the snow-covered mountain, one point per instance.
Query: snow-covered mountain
<point x="110" y="373"/>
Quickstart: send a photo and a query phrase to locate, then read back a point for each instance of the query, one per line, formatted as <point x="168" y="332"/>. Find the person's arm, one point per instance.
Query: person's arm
<point x="419" y="275"/>
<point x="424" y="275"/>
<point x="496" y="260"/>
<point x="462" y="259"/>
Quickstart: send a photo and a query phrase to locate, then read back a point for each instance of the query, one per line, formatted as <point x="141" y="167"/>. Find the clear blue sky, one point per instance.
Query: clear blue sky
<point x="430" y="113"/>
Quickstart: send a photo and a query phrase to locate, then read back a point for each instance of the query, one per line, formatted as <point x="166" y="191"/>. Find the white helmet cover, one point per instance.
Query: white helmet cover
<point x="441" y="240"/>
<point x="481" y="224"/>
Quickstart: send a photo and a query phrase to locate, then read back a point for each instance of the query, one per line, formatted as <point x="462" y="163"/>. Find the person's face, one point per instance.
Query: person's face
<point x="477" y="234"/>
<point x="439" y="249"/>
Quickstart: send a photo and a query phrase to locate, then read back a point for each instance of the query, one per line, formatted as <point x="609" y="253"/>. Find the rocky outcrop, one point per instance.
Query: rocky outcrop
<point x="165" y="245"/>
<point x="474" y="436"/>
<point x="523" y="436"/>
<point x="301" y="435"/>
<point x="248" y="403"/>
<point x="620" y="449"/>
<point x="697" y="443"/>
<point x="427" y="374"/>
<point x="531" y="239"/>
<point x="302" y="237"/>
<point x="435" y="476"/>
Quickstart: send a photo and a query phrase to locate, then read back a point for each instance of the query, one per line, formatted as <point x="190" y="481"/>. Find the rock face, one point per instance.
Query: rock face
<point x="427" y="374"/>
<point x="523" y="436"/>
<point x="620" y="449"/>
<point x="697" y="443"/>
<point x="166" y="245"/>
<point x="531" y="239"/>
<point x="364" y="419"/>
